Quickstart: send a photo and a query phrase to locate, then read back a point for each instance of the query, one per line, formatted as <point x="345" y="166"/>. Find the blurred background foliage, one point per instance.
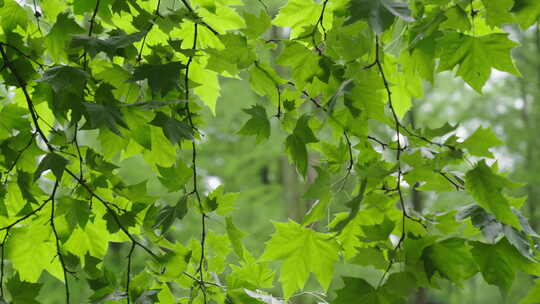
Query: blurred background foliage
<point x="270" y="188"/>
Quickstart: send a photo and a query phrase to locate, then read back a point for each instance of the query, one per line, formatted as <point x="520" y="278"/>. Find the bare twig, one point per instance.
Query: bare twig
<point x="211" y="29"/>
<point x="156" y="15"/>
<point x="128" y="275"/>
<point x="200" y="269"/>
<point x="398" y="158"/>
<point x="3" y="246"/>
<point x="19" y="154"/>
<point x="57" y="241"/>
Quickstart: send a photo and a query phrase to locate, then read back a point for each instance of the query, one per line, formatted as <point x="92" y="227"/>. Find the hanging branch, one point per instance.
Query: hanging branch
<point x="57" y="239"/>
<point x="398" y="159"/>
<point x="3" y="247"/>
<point x="200" y="270"/>
<point x="128" y="276"/>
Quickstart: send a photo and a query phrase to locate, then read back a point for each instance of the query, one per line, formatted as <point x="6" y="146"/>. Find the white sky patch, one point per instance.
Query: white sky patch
<point x="212" y="182"/>
<point x="519" y="103"/>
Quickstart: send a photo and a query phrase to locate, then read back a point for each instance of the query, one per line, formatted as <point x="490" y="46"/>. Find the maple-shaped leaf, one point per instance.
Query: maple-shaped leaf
<point x="298" y="14"/>
<point x="54" y="162"/>
<point x="65" y="78"/>
<point x="174" y="177"/>
<point x="103" y="115"/>
<point x="451" y="258"/>
<point x="111" y="46"/>
<point x="296" y="143"/>
<point x="486" y="188"/>
<point x="161" y="77"/>
<point x="476" y="56"/>
<point x="527" y="12"/>
<point x="380" y="14"/>
<point x="480" y="141"/>
<point x="258" y="124"/>
<point x="58" y="37"/>
<point x="23" y="292"/>
<point x="497" y="267"/>
<point x="173" y="129"/>
<point x="303" y="251"/>
<point x="498" y="12"/>
<point x="168" y="214"/>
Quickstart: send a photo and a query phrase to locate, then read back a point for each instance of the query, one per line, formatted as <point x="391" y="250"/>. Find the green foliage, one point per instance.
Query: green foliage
<point x="103" y="127"/>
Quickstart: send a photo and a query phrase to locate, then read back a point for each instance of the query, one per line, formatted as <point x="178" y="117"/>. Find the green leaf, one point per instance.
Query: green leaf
<point x="485" y="186"/>
<point x="258" y="124"/>
<point x="235" y="236"/>
<point x="54" y="162"/>
<point x="60" y="34"/>
<point x="110" y="46"/>
<point x="168" y="214"/>
<point x="380" y="14"/>
<point x="161" y="78"/>
<point x="298" y="14"/>
<point x="174" y="177"/>
<point x="103" y="116"/>
<point x="533" y="296"/>
<point x="357" y="290"/>
<point x="23" y="292"/>
<point x="296" y="143"/>
<point x="13" y="15"/>
<point x="451" y="258"/>
<point x="497" y="269"/>
<point x="354" y="204"/>
<point x="173" y="129"/>
<point x="303" y="251"/>
<point x="486" y="222"/>
<point x="476" y="56"/>
<point x="479" y="143"/>
<point x="498" y="12"/>
<point x="527" y="12"/>
<point x="65" y="78"/>
<point x="520" y="241"/>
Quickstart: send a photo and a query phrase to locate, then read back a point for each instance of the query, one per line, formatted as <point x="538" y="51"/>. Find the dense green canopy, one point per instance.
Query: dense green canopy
<point x="90" y="84"/>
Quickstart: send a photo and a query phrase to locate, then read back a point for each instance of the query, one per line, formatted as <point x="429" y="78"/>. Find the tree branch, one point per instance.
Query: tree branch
<point x="57" y="239"/>
<point x="200" y="269"/>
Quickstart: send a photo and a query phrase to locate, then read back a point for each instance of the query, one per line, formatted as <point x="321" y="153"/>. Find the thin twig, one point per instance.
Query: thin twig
<point x="186" y="4"/>
<point x="128" y="276"/>
<point x="37" y="14"/>
<point x="90" y="30"/>
<point x="3" y="246"/>
<point x="19" y="154"/>
<point x="398" y="158"/>
<point x="16" y="49"/>
<point x="156" y="15"/>
<point x="200" y="269"/>
<point x="57" y="239"/>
